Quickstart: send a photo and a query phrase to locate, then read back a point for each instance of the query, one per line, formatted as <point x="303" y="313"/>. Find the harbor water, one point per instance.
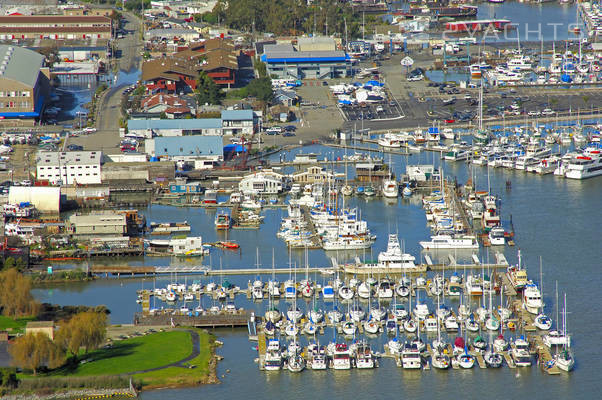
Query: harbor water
<point x="554" y="218"/>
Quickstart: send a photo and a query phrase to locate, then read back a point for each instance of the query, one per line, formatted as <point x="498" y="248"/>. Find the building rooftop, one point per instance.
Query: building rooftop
<point x="237" y="115"/>
<point x="170" y="32"/>
<point x="196" y="145"/>
<point x="278" y="54"/>
<point x="54" y="19"/>
<point x="20" y="64"/>
<point x="184" y="124"/>
<point x="56" y="158"/>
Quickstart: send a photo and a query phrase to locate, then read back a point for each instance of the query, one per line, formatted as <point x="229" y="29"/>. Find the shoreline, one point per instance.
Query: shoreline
<point x="137" y="385"/>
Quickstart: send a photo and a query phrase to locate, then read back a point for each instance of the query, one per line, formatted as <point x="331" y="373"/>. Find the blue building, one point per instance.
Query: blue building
<point x="286" y="62"/>
<point x="201" y="152"/>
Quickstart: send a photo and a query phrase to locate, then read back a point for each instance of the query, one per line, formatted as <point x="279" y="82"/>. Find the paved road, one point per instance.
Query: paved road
<point x="108" y="111"/>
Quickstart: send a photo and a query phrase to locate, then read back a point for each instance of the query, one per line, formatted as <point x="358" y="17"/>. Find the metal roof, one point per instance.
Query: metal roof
<point x="47" y="158"/>
<point x="20" y="64"/>
<point x="183" y="124"/>
<point x="189" y="146"/>
<point x="237" y="115"/>
<point x="303" y="56"/>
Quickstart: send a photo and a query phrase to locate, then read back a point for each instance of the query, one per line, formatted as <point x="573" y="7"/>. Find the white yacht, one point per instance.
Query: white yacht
<point x="585" y="166"/>
<point x="273" y="356"/>
<point x="410" y="356"/>
<point x="449" y="242"/>
<point x="496" y="236"/>
<point x="393" y="258"/>
<point x="520" y="353"/>
<point x="364" y="356"/>
<point x="389" y="140"/>
<point x="532" y="301"/>
<point x="318" y="360"/>
<point x="341" y="358"/>
<point x="390" y="188"/>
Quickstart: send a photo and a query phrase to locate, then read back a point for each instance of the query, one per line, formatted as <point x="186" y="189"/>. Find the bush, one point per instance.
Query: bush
<point x="8" y="377"/>
<point x="73" y="382"/>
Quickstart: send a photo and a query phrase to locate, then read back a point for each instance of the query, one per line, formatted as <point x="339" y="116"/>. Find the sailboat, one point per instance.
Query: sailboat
<point x="542" y="321"/>
<point x="346" y="190"/>
<point x="564" y="359"/>
<point x="390" y="188"/>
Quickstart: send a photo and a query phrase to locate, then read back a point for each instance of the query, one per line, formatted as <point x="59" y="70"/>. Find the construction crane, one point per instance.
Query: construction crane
<point x="247" y="145"/>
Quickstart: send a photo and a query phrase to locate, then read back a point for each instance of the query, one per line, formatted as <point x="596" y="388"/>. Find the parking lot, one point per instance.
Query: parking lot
<point x="388" y="110"/>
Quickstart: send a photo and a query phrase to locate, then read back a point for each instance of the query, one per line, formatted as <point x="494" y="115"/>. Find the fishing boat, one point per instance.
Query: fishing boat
<point x="318" y="359"/>
<point x="341" y="358"/>
<point x="223" y="221"/>
<point x="520" y="353"/>
<point x="364" y="356"/>
<point x="410" y="356"/>
<point x="273" y="356"/>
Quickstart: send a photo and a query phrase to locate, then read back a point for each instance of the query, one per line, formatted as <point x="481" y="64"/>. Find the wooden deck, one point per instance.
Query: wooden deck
<point x="222" y="320"/>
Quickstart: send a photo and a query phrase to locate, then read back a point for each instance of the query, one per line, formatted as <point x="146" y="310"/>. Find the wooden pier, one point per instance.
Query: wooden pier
<point x="544" y="357"/>
<point x="171" y="318"/>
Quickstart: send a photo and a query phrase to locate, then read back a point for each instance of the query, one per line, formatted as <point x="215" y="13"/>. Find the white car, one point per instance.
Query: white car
<point x="547" y="111"/>
<point x="415" y="78"/>
<point x="89" y="130"/>
<point x="534" y="113"/>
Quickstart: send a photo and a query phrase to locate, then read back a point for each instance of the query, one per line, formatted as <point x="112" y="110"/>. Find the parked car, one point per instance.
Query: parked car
<point x="75" y="147"/>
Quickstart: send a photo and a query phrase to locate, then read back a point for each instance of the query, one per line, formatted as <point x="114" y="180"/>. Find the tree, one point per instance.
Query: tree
<point x="261" y="88"/>
<point x="33" y="351"/>
<point x="86" y="329"/>
<point x="207" y="91"/>
<point x="15" y="295"/>
<point x="261" y="68"/>
<point x="51" y="53"/>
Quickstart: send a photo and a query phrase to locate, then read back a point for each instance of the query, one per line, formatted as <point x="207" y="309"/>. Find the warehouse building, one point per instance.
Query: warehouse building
<point x="105" y="223"/>
<point x="24" y="85"/>
<point x="70" y="168"/>
<point x="286" y="62"/>
<point x="201" y="152"/>
<point x="54" y="27"/>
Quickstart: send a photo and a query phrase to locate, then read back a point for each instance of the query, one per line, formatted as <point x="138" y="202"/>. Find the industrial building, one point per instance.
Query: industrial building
<point x="313" y="58"/>
<point x="70" y="168"/>
<point x="204" y="151"/>
<point x="149" y="128"/>
<point x="44" y="198"/>
<point x="232" y="122"/>
<point x="55" y="27"/>
<point x="105" y="223"/>
<point x="24" y="85"/>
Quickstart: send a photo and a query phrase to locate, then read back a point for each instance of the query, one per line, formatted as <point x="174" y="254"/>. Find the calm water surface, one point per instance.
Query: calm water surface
<point x="556" y="219"/>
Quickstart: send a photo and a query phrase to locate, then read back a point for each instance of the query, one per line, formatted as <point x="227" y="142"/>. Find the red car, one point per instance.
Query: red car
<point x="450" y="121"/>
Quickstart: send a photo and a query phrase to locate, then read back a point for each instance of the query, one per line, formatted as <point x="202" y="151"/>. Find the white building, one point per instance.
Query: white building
<point x="264" y="182"/>
<point x="69" y="168"/>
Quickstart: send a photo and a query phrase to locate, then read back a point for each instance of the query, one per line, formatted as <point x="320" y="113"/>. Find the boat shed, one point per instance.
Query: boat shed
<point x="285" y="62"/>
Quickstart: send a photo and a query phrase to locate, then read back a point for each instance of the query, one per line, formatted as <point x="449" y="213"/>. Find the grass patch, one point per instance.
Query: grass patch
<point x="14" y="324"/>
<point x="178" y="376"/>
<point x="136" y="354"/>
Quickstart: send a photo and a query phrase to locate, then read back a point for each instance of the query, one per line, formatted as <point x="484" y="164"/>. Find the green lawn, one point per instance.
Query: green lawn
<point x="14" y="325"/>
<point x="140" y="353"/>
<point x="178" y="375"/>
